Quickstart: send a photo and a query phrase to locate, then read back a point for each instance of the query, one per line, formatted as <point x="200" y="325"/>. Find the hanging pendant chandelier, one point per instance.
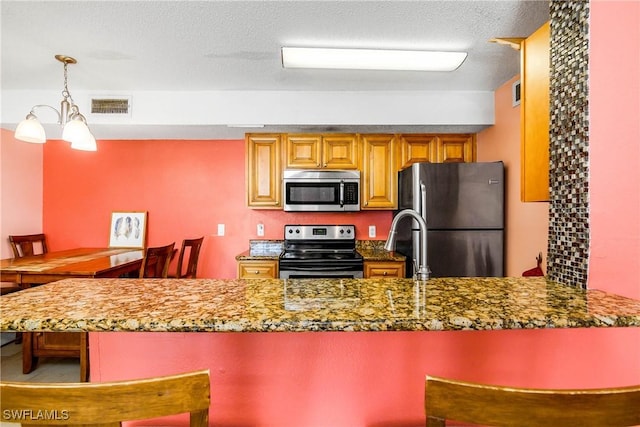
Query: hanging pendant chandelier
<point x="74" y="125"/>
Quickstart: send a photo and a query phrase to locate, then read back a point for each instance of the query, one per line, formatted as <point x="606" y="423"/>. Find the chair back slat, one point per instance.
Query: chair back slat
<point x="109" y="403"/>
<point x="193" y="246"/>
<point x="26" y="245"/>
<point x="156" y="261"/>
<point x="467" y="402"/>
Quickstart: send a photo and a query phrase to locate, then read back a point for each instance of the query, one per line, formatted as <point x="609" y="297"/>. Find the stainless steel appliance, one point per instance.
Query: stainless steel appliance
<point x="320" y="251"/>
<point x="321" y="190"/>
<point x="463" y="206"/>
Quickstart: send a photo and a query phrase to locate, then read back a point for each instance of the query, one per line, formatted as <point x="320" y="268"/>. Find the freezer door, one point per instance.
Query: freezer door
<point x="468" y="253"/>
<point x="458" y="195"/>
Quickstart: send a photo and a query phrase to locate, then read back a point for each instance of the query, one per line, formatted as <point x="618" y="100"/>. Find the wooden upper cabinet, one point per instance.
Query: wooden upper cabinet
<point x="379" y="180"/>
<point x="330" y="151"/>
<point x="417" y="148"/>
<point x="534" y="116"/>
<point x="456" y="148"/>
<point x="263" y="170"/>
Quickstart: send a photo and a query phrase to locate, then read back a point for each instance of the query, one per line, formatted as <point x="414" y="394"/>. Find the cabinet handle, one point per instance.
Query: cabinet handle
<point x="257" y="272"/>
<point x="384" y="273"/>
<point x="324" y="166"/>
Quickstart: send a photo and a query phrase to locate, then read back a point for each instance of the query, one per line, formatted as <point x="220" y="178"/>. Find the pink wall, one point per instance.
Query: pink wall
<point x="21" y="184"/>
<point x="614" y="147"/>
<point x="526" y="223"/>
<point x="362" y="379"/>
<point x="188" y="187"/>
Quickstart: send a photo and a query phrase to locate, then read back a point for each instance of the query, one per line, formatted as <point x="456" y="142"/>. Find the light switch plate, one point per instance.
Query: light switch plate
<point x="372" y="231"/>
<point x="220" y="229"/>
<point x="260" y="229"/>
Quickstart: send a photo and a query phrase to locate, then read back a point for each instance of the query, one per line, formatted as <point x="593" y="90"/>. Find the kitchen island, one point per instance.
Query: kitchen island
<point x="339" y="352"/>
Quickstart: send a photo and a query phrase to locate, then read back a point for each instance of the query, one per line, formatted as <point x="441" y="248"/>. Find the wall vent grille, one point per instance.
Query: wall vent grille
<point x="110" y="106"/>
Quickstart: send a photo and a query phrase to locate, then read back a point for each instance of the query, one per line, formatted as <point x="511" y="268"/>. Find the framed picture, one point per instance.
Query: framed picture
<point x="128" y="230"/>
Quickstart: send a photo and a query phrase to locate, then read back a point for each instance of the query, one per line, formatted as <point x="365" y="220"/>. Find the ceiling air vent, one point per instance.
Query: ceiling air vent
<point x="110" y="106"/>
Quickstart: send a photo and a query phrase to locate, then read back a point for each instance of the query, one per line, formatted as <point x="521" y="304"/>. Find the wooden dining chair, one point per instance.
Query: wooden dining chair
<point x="193" y="247"/>
<point x="156" y="261"/>
<point x="109" y="403"/>
<point x="24" y="245"/>
<point x="496" y="406"/>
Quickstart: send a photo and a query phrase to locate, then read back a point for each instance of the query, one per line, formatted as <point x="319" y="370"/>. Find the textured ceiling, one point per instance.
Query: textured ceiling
<point x="188" y="47"/>
<point x="235" y="45"/>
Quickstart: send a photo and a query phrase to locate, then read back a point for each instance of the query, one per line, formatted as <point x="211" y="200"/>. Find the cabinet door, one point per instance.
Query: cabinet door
<point x="417" y="148"/>
<point x="456" y="148"/>
<point x="257" y="269"/>
<point x="379" y="181"/>
<point x="303" y="151"/>
<point x="263" y="174"/>
<point x="534" y="117"/>
<point x="340" y="151"/>
<point x="382" y="269"/>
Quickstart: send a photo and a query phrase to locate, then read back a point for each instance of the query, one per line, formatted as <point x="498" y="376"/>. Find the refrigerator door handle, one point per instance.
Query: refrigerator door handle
<point x="423" y="201"/>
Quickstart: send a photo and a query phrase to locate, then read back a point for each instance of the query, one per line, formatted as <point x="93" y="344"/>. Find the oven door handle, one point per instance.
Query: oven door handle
<point x="340" y="268"/>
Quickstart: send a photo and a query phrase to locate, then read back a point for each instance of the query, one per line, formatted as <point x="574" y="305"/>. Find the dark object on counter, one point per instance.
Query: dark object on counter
<point x="536" y="271"/>
<point x="463" y="206"/>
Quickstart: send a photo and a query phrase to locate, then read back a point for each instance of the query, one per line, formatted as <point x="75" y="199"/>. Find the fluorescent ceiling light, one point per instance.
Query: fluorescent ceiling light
<point x="371" y="59"/>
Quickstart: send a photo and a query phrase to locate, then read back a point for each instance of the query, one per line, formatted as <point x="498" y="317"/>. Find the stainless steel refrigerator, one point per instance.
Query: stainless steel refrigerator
<point x="463" y="205"/>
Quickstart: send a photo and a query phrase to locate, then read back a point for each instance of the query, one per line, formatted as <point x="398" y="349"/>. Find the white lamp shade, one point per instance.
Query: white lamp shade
<point x="30" y="130"/>
<point x="78" y="134"/>
<point x="74" y="130"/>
<point x="87" y="143"/>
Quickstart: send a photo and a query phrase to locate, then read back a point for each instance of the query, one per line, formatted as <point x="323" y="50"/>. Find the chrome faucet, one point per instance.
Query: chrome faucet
<point x="422" y="272"/>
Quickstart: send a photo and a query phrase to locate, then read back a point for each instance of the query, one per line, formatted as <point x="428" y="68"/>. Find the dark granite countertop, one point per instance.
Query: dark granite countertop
<point x="257" y="305"/>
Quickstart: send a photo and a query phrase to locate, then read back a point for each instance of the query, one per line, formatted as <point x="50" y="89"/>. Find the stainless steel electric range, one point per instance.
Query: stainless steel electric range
<point x="320" y="251"/>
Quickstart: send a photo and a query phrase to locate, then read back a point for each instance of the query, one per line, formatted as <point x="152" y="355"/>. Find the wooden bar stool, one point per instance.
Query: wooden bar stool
<point x="497" y="406"/>
<point x="107" y="404"/>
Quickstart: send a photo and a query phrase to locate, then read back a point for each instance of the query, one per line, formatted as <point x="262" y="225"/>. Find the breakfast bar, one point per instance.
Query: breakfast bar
<point x="338" y="352"/>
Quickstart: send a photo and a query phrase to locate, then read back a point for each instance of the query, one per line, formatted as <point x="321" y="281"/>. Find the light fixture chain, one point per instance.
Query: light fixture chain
<point x="65" y="92"/>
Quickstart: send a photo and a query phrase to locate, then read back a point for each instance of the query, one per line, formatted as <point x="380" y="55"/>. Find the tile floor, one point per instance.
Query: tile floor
<point x="49" y="369"/>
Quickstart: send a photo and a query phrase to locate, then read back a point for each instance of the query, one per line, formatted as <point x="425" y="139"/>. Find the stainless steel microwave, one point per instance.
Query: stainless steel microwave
<point x="321" y="190"/>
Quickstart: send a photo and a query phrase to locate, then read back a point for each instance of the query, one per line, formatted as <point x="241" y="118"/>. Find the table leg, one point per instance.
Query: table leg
<point x="29" y="361"/>
<point x="84" y="357"/>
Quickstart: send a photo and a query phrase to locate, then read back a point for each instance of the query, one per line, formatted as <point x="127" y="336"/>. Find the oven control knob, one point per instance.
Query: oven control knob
<point x="341" y="231"/>
<point x="349" y="231"/>
<point x="290" y="230"/>
<point x="297" y="231"/>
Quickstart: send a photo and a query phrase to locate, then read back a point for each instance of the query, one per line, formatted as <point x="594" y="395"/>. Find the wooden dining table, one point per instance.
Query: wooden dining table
<point x="53" y="266"/>
<point x="71" y="263"/>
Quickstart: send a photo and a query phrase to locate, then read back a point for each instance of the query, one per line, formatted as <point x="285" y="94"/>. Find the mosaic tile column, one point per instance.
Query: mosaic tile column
<point x="568" y="252"/>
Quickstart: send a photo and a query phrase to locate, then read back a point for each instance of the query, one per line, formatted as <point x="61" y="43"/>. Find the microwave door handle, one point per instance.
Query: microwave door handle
<point x="341" y="194"/>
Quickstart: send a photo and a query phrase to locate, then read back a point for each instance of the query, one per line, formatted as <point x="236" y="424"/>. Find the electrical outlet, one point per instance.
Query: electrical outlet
<point x="220" y="229"/>
<point x="372" y="231"/>
<point x="260" y="230"/>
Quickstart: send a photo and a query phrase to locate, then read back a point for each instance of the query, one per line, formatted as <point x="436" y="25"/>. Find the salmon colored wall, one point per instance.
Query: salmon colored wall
<point x="21" y="184"/>
<point x="188" y="187"/>
<point x="614" y="147"/>
<point x="362" y="379"/>
<point x="526" y="223"/>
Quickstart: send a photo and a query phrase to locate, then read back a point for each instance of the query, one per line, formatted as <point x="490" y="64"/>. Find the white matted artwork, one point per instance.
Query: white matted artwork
<point x="128" y="230"/>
